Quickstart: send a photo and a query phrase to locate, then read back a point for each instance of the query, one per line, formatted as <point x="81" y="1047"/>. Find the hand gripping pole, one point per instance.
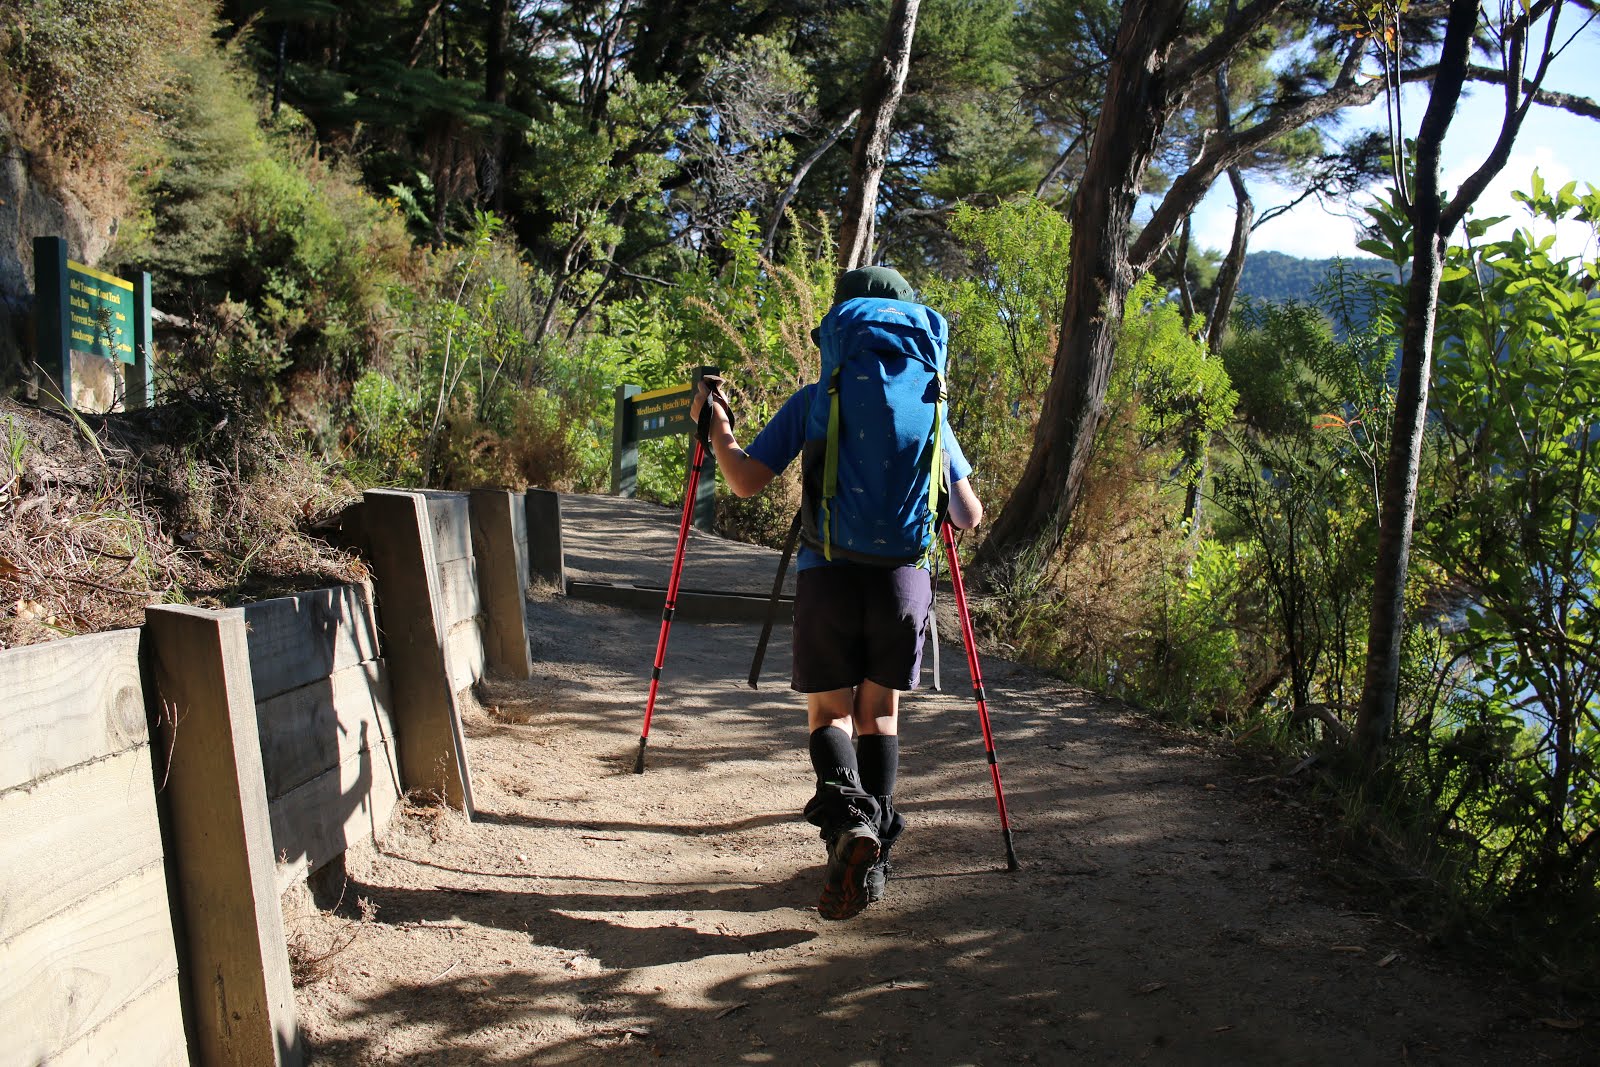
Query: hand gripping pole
<point x="701" y="453"/>
<point x="977" y="691"/>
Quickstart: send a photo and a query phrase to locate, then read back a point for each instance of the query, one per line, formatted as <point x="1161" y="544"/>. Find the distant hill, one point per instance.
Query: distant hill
<point x="1278" y="277"/>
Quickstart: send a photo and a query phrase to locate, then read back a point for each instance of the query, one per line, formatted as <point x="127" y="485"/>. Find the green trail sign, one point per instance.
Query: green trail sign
<point x="642" y="416"/>
<point x="80" y="312"/>
<point x="100" y="308"/>
<point x="662" y="412"/>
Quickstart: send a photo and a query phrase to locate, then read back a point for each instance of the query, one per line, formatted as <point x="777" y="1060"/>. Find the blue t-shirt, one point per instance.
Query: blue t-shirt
<point x="782" y="439"/>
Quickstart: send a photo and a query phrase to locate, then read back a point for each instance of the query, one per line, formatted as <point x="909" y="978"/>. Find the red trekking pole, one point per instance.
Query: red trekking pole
<point x="977" y="691"/>
<point x="702" y="452"/>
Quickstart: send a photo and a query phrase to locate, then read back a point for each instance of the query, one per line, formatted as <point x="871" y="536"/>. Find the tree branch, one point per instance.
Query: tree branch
<point x="1224" y="152"/>
<point x="1511" y="125"/>
<point x="800" y="173"/>
<point x="1220" y="48"/>
<point x="1582" y="106"/>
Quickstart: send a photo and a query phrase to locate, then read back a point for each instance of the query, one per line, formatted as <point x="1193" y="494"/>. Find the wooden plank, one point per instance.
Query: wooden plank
<point x="430" y="742"/>
<point x="297" y="640"/>
<point x="61" y="979"/>
<point x="70" y="836"/>
<point x="499" y="544"/>
<point x="451" y="523"/>
<point x="463" y="656"/>
<point x="148" y="1031"/>
<point x="322" y="818"/>
<point x="309" y="730"/>
<point x="237" y="962"/>
<point x="458" y="592"/>
<point x="546" y="556"/>
<point x="68" y="701"/>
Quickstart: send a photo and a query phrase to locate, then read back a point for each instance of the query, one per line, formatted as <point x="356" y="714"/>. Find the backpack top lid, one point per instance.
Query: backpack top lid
<point x="889" y="330"/>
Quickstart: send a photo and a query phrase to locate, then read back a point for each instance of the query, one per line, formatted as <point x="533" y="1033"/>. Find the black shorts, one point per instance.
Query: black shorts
<point x="853" y="621"/>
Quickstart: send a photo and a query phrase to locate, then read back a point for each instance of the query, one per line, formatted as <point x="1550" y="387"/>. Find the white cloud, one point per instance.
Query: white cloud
<point x="1572" y="238"/>
<point x="1309" y="231"/>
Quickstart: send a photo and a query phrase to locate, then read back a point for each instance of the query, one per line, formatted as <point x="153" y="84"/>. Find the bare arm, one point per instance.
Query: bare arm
<point x="745" y="476"/>
<point x="966" y="511"/>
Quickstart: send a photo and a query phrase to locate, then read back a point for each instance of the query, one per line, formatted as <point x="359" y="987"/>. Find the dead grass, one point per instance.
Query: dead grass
<point x="316" y="937"/>
<point x="1090" y="610"/>
<point x="193" y="502"/>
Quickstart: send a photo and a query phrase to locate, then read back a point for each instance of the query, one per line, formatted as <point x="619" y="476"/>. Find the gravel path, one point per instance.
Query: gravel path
<point x="1170" y="908"/>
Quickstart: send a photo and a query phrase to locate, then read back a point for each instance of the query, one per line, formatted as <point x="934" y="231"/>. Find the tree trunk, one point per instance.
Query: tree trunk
<point x="1185" y="291"/>
<point x="1375" y="720"/>
<point x="1033" y="522"/>
<point x="1244" y="214"/>
<point x="279" y="67"/>
<point x="1221" y="309"/>
<point x="491" y="164"/>
<point x="885" y="82"/>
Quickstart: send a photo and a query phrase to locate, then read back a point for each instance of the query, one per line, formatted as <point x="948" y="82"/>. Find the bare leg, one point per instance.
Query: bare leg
<point x="876" y="709"/>
<point x="833" y="708"/>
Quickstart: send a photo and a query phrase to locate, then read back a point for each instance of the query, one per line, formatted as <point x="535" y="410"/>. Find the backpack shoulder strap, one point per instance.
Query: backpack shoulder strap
<point x="830" y="465"/>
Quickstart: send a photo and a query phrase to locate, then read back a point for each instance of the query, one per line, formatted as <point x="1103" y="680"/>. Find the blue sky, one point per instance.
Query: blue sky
<point x="1563" y="147"/>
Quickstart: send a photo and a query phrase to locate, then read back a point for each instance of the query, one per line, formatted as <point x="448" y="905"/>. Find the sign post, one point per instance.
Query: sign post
<point x="642" y="416"/>
<point x="138" y="376"/>
<point x="52" y="318"/>
<point x="84" y="311"/>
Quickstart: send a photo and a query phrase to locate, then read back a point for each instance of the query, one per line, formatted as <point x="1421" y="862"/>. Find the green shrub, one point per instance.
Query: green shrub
<point x="80" y="78"/>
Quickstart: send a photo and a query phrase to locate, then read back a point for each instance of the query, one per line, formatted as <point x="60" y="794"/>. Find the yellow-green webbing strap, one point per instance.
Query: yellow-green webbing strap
<point x="936" y="469"/>
<point x="830" y="465"/>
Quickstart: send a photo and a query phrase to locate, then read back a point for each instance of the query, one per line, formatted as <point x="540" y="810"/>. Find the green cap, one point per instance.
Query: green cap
<point x="882" y="282"/>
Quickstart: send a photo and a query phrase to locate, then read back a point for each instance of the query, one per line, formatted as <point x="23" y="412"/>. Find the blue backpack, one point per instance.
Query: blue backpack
<point x="875" y="482"/>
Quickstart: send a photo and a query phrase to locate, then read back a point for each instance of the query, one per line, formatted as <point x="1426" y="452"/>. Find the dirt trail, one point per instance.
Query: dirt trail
<point x="1165" y="912"/>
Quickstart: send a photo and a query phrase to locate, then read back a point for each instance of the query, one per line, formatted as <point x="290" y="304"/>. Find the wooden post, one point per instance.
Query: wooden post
<point x="238" y="961"/>
<point x="139" y="377"/>
<point x="499" y="539"/>
<point x="427" y="722"/>
<point x="546" y="557"/>
<point x="624" y="449"/>
<point x="51" y="315"/>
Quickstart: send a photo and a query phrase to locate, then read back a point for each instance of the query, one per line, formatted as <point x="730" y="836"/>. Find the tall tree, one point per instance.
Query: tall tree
<point x="885" y="81"/>
<point x="1165" y="51"/>
<point x="1433" y="219"/>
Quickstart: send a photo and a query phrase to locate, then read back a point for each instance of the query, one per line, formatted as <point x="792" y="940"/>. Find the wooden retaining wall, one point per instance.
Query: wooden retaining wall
<point x="88" y="966"/>
<point x="461" y="614"/>
<point x="160" y="788"/>
<point x="322" y="698"/>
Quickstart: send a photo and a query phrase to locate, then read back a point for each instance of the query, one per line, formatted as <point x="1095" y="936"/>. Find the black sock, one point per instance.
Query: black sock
<point x="833" y="757"/>
<point x="878" y="756"/>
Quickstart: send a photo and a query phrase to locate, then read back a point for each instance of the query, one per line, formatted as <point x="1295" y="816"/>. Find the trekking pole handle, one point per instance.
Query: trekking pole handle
<point x="713" y="384"/>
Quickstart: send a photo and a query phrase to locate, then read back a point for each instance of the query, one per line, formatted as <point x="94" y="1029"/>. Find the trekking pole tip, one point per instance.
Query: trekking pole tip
<point x="1011" y="855"/>
<point x="638" y="763"/>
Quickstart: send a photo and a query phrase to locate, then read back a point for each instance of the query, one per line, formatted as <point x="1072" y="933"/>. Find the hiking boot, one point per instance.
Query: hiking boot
<point x="878" y="879"/>
<point x="878" y="873"/>
<point x="850" y="858"/>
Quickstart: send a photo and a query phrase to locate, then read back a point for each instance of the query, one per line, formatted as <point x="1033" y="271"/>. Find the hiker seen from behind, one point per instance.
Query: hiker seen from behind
<point x="880" y="471"/>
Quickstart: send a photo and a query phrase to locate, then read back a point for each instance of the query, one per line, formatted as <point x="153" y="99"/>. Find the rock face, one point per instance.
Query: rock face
<point x="28" y="210"/>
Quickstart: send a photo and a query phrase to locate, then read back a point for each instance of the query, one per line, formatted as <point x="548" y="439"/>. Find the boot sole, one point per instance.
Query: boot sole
<point x="846" y="899"/>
